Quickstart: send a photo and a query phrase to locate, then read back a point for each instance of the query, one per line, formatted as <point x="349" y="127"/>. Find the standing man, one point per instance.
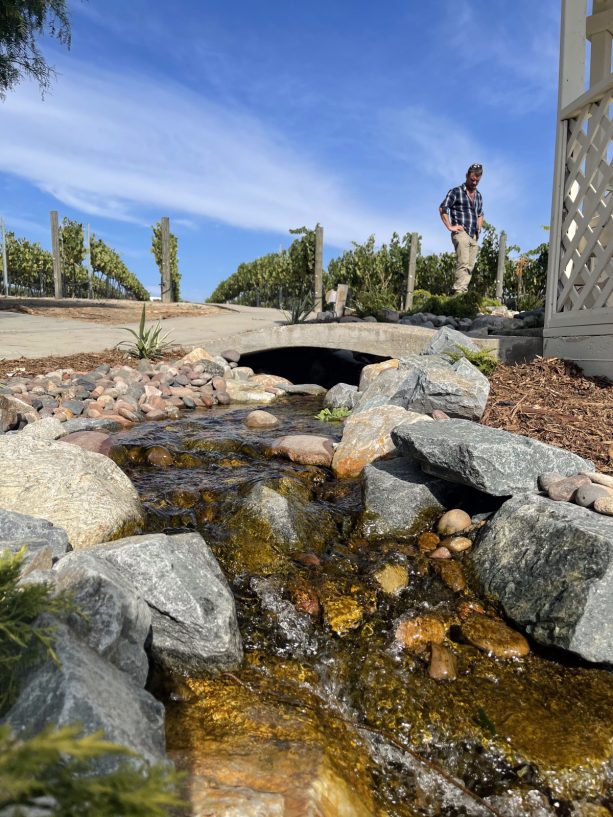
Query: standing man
<point x="462" y="213"/>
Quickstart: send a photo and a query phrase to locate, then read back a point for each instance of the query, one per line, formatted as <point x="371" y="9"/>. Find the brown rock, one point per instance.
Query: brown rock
<point x="453" y="521"/>
<point x="545" y="481"/>
<point x="604" y="504"/>
<point x="466" y="608"/>
<point x="458" y="544"/>
<point x="439" y="414"/>
<point x="440" y="553"/>
<point x="219" y="384"/>
<point x="601" y="479"/>
<point x="392" y="579"/>
<point x="159" y="456"/>
<point x="564" y="490"/>
<point x="428" y="541"/>
<point x="305" y="600"/>
<point x="415" y="634"/>
<point x="261" y="419"/>
<point x="307" y="449"/>
<point x="307" y="558"/>
<point x="453" y="576"/>
<point x="494" y="637"/>
<point x="89" y="440"/>
<point x="443" y="664"/>
<point x="371" y="372"/>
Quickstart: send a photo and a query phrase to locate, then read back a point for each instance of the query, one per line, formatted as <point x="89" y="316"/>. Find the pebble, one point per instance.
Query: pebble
<point x="548" y="479"/>
<point x="601" y="479"/>
<point x="494" y="637"/>
<point x="415" y="634"/>
<point x="466" y="608"/>
<point x="392" y="579"/>
<point x="261" y="419"/>
<point x="443" y="664"/>
<point x="428" y="541"/>
<point x="453" y="521"/>
<point x="604" y="504"/>
<point x="458" y="544"/>
<point x="159" y="456"/>
<point x="440" y="553"/>
<point x="586" y="495"/>
<point x="453" y="576"/>
<point x="564" y="489"/>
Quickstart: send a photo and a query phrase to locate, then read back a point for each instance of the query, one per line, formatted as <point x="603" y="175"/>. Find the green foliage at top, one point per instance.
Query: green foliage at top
<point x="274" y="280"/>
<point x="107" y="262"/>
<point x="335" y="415"/>
<point x="57" y="763"/>
<point x="30" y="268"/>
<point x="149" y="342"/>
<point x="21" y="22"/>
<point x="156" y="249"/>
<point x="463" y="305"/>
<point x="22" y="635"/>
<point x="484" y="359"/>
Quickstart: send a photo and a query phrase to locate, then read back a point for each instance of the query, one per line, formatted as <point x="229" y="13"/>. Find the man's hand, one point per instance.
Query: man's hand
<point x="457" y="228"/>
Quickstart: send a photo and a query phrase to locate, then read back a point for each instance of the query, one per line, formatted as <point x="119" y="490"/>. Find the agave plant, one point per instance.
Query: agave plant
<point x="149" y="342"/>
<point x="299" y="310"/>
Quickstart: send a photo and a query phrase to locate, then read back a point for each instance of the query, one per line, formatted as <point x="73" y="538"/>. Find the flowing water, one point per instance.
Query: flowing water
<point x="328" y="715"/>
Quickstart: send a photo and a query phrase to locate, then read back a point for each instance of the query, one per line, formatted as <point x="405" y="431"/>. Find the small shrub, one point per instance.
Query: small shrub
<point x="420" y="297"/>
<point x="149" y="342"/>
<point x="530" y="301"/>
<point x="299" y="309"/>
<point x="484" y="359"/>
<point x="464" y="305"/>
<point x="373" y="302"/>
<point x="336" y="415"/>
<point x="487" y="301"/>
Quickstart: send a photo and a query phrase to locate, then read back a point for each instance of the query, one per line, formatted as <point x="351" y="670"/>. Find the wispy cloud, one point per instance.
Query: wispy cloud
<point x="125" y="148"/>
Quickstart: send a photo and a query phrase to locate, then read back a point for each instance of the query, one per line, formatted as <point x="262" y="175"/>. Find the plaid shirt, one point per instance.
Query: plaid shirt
<point x="462" y="210"/>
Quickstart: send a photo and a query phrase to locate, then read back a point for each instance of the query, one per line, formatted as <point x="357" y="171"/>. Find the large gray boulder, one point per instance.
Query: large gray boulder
<point x="114" y="619"/>
<point x="84" y="493"/>
<point x="550" y="565"/>
<point x="386" y="384"/>
<point x="399" y="499"/>
<point x="448" y="340"/>
<point x="18" y="529"/>
<point x="341" y="396"/>
<point x="193" y="617"/>
<point x="488" y="459"/>
<point x="82" y="687"/>
<point x="432" y="383"/>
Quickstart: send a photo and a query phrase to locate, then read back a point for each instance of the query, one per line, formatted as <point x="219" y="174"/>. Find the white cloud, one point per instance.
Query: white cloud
<point x="128" y="147"/>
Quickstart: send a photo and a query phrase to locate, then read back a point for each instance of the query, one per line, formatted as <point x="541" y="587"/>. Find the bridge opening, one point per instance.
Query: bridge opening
<point x="310" y="364"/>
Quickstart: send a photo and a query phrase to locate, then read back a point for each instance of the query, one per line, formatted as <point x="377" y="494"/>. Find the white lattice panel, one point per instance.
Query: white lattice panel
<point x="585" y="280"/>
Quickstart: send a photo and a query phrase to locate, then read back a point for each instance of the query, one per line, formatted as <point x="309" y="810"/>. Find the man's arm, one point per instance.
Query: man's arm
<point x="444" y="213"/>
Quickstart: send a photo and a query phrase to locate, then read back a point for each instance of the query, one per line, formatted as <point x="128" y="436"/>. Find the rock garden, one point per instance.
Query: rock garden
<point x="368" y="600"/>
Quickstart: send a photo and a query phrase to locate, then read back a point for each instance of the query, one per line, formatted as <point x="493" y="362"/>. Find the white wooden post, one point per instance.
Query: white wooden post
<point x="502" y="257"/>
<point x="5" y="269"/>
<point x="55" y="248"/>
<point x="412" y="266"/>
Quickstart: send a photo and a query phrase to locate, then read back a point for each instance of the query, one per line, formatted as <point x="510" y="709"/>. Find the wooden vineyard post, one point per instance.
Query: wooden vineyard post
<point x="55" y="249"/>
<point x="318" y="272"/>
<point x="502" y="255"/>
<point x="408" y="303"/>
<point x="166" y="293"/>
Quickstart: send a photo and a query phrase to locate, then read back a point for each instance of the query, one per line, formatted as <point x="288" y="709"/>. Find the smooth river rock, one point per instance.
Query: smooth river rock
<point x="307" y="449"/>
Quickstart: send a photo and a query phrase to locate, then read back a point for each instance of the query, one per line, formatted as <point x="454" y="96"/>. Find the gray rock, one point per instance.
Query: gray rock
<point x="116" y="621"/>
<point x="14" y="413"/>
<point x="17" y="529"/>
<point x="448" y="340"/>
<point x="341" y="396"/>
<point x="550" y="565"/>
<point x="193" y="620"/>
<point x="84" y="493"/>
<point x="488" y="322"/>
<point x="371" y="402"/>
<point x="49" y="428"/>
<point x="460" y="390"/>
<point x="586" y="495"/>
<point x="84" y="688"/>
<point x="302" y="388"/>
<point x="489" y="459"/>
<point x="385" y="384"/>
<point x="91" y="424"/>
<point x="231" y="355"/>
<point x="399" y="499"/>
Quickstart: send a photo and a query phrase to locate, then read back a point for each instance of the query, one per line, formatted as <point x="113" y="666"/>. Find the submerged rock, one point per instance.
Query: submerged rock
<point x="308" y="449"/>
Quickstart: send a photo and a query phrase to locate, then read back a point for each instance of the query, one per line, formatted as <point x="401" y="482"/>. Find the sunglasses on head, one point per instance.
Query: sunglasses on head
<point x="475" y="167"/>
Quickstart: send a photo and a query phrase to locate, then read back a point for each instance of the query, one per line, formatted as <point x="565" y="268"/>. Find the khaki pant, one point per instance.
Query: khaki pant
<point x="466" y="249"/>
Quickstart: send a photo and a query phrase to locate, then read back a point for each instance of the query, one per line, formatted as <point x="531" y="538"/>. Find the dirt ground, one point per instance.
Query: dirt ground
<point x="549" y="400"/>
<point x="107" y="312"/>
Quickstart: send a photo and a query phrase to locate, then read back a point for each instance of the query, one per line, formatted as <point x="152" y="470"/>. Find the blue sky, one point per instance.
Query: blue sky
<point x="241" y="120"/>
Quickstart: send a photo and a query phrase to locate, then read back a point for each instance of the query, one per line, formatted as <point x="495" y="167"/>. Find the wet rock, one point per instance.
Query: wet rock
<point x="392" y="579"/>
<point x="488" y="459"/>
<point x="74" y="480"/>
<point x="443" y="664"/>
<point x="564" y="490"/>
<point x="549" y="564"/>
<point x="367" y="436"/>
<point x="454" y="521"/>
<point x="452" y="575"/>
<point x="458" y="544"/>
<point x="193" y="617"/>
<point x="440" y="552"/>
<point x="399" y="499"/>
<point x="261" y="419"/>
<point x="312" y="389"/>
<point x="341" y="396"/>
<point x="96" y="441"/>
<point x="307" y="449"/>
<point x="416" y="634"/>
<point x="113" y="618"/>
<point x="342" y="613"/>
<point x="586" y="495"/>
<point x="159" y="456"/>
<point x="494" y="637"/>
<point x="242" y="392"/>
<point x="306" y="600"/>
<point x="371" y="372"/>
<point x="468" y="608"/>
<point x="428" y="541"/>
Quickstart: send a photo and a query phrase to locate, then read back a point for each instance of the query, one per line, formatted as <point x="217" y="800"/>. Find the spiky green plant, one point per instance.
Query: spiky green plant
<point x="149" y="342"/>
<point x="299" y="309"/>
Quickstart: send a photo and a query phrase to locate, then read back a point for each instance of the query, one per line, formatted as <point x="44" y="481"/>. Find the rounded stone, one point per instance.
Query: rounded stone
<point x="604" y="504"/>
<point x="586" y="495"/>
<point x="545" y="481"/>
<point x="428" y="541"/>
<point x="494" y="637"/>
<point x="159" y="456"/>
<point x="601" y="479"/>
<point x="454" y="521"/>
<point x="564" y="490"/>
<point x="453" y="576"/>
<point x="392" y="579"/>
<point x="261" y="419"/>
<point x="443" y="664"/>
<point x="458" y="544"/>
<point x="467" y="608"/>
<point x="440" y="553"/>
<point x="415" y="634"/>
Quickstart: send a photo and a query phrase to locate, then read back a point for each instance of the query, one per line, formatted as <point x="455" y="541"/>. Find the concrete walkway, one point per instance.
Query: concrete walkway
<point x="33" y="336"/>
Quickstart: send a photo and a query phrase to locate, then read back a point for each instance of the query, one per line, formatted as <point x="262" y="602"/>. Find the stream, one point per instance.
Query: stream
<point x="329" y="715"/>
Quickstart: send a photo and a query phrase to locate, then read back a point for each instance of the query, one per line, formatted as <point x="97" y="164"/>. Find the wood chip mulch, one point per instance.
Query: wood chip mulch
<point x="552" y="401"/>
<point x="548" y="400"/>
